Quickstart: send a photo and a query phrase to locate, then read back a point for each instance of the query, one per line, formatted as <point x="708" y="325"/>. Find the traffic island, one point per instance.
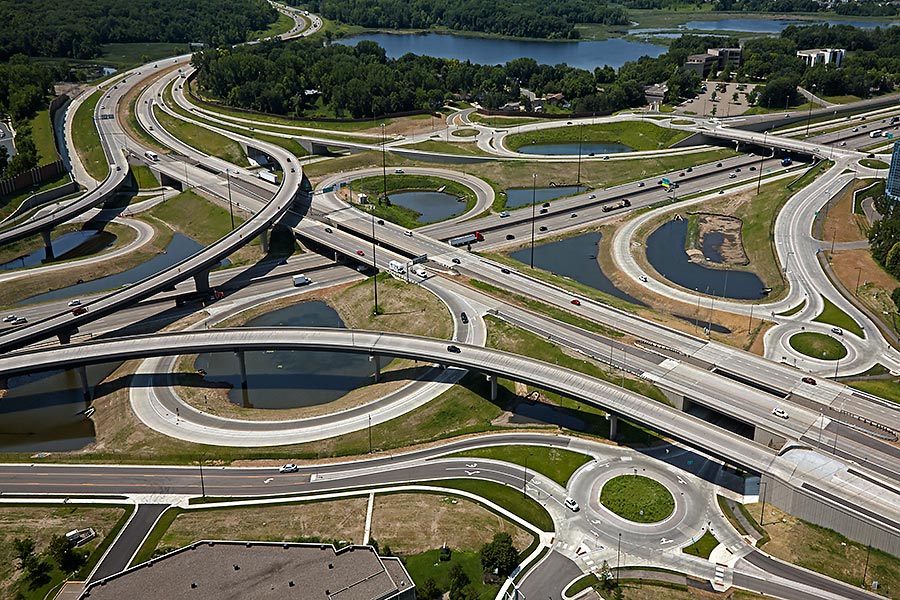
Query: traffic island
<point x="818" y="345"/>
<point x="637" y="498"/>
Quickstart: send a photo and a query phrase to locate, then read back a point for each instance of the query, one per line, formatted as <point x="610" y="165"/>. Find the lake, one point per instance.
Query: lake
<point x="769" y="26"/>
<point x="431" y="206"/>
<point x="516" y="197"/>
<point x="587" y="148"/>
<point x="584" y="54"/>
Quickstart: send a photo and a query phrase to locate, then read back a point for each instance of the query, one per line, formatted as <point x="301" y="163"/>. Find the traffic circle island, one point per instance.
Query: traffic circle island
<point x="637" y="498"/>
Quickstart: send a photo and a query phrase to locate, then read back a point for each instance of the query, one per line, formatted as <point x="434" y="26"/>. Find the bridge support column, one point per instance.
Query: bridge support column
<point x="65" y="337"/>
<point x="201" y="280"/>
<point x="493" y="380"/>
<point x="48" y="244"/>
<point x="376" y="360"/>
<point x="242" y="364"/>
<point x="85" y="384"/>
<point x="264" y="240"/>
<point x="613" y="425"/>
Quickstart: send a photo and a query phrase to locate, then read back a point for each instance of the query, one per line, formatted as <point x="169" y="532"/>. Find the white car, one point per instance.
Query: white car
<point x="75" y="302"/>
<point x="10" y="318"/>
<point x="591" y="196"/>
<point x="398" y="171"/>
<point x="288" y="468"/>
<point x="779" y="412"/>
<point x="504" y="214"/>
<point x="571" y="504"/>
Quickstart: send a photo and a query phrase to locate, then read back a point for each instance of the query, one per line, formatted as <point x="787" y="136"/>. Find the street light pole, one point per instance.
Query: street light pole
<point x="762" y="512"/>
<point x="230" y="204"/>
<point x="384" y="196"/>
<point x="525" y="477"/>
<point x="761" y="156"/>
<point x="580" y="138"/>
<point x="533" y="199"/>
<point x="618" y="555"/>
<point x="858" y="274"/>
<point x="202" y="484"/>
<point x="809" y="114"/>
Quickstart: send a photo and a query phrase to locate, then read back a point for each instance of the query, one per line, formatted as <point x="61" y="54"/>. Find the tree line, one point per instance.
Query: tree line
<point x="517" y="18"/>
<point x="77" y="28"/>
<point x="24" y="89"/>
<point x="362" y="82"/>
<point x="884" y="240"/>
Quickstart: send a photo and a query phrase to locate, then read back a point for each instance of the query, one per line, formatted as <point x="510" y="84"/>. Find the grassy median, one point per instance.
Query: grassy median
<point x="86" y="138"/>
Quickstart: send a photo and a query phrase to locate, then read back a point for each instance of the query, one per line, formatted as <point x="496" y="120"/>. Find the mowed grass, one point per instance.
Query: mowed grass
<point x="42" y="134"/>
<point x="889" y="389"/>
<point x="639" y="135"/>
<point x="143" y="176"/>
<point x="873" y="163"/>
<point x="282" y="24"/>
<point x="204" y="140"/>
<point x="196" y="217"/>
<point x="702" y="547"/>
<point x="428" y="565"/>
<point x="511" y="499"/>
<point x="833" y="315"/>
<point x="556" y="463"/>
<point x="818" y="345"/>
<point x="86" y="138"/>
<point x="444" y="147"/>
<point x="637" y="498"/>
<point x="123" y="56"/>
<point x="405" y="217"/>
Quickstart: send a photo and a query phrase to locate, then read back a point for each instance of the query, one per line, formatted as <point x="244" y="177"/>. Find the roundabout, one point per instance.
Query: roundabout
<point x="818" y="345"/>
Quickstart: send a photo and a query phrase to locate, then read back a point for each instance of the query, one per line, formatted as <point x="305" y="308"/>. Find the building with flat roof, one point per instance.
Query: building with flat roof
<point x="714" y="60"/>
<point x="701" y="64"/>
<point x="223" y="570"/>
<point x="823" y="56"/>
<point x="892" y="184"/>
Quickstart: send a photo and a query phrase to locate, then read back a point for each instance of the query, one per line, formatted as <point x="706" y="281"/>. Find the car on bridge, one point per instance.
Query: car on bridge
<point x="453" y="349"/>
<point x="779" y="412"/>
<point x="809" y="380"/>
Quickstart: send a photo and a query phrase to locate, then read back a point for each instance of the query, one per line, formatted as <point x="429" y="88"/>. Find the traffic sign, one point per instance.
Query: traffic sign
<point x="419" y="259"/>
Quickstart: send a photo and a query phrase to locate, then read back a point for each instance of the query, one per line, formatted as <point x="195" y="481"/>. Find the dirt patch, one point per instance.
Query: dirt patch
<point x="731" y="247"/>
<point x="862" y="276"/>
<point x="337" y="519"/>
<point x="840" y="223"/>
<point x="413" y="523"/>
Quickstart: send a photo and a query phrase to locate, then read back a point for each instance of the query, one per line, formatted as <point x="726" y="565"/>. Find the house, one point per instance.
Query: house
<point x="555" y="99"/>
<point x="823" y="56"/>
<point x="655" y="94"/>
<point x="260" y="571"/>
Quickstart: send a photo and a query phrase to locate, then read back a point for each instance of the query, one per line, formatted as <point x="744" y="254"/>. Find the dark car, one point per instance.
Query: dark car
<point x="505" y="271"/>
<point x="328" y="230"/>
<point x="543" y="228"/>
<point x="456" y="261"/>
<point x="546" y="205"/>
<point x="463" y="317"/>
<point x="381" y="221"/>
<point x="543" y="211"/>
<point x="809" y="380"/>
<point x="718" y="164"/>
<point x="510" y="236"/>
<point x="453" y="349"/>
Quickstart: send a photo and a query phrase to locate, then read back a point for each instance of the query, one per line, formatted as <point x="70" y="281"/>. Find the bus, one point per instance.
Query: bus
<point x="875" y="134"/>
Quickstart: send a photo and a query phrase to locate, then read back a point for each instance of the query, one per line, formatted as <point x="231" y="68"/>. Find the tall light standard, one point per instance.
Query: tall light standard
<point x="533" y="202"/>
<point x="230" y="204"/>
<point x="761" y="156"/>
<point x="580" y="138"/>
<point x="809" y="112"/>
<point x="384" y="196"/>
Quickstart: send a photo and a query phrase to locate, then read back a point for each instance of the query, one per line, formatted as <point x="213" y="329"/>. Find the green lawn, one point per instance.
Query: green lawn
<point x="509" y="498"/>
<point x="582" y="584"/>
<point x="556" y="463"/>
<point x="793" y="311"/>
<point x="873" y="163"/>
<point x="42" y="134"/>
<point x="501" y="122"/>
<point x="143" y="176"/>
<point x="637" y="498"/>
<point x="818" y="345"/>
<point x="145" y="552"/>
<point x="208" y="142"/>
<point x="889" y="389"/>
<point x="281" y="25"/>
<point x="427" y="564"/>
<point x="87" y="139"/>
<point x="435" y="145"/>
<point x="833" y="315"/>
<point x="846" y="99"/>
<point x="465" y="132"/>
<point x="702" y="547"/>
<point x="196" y="217"/>
<point x="639" y="135"/>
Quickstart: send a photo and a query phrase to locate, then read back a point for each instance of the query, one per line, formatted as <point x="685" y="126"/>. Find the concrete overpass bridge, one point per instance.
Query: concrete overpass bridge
<point x="812" y="485"/>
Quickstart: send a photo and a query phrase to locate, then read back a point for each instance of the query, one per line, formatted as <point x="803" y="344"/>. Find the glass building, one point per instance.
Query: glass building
<point x="892" y="185"/>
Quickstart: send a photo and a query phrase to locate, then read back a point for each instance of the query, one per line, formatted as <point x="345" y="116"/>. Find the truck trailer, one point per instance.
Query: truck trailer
<point x="466" y="239"/>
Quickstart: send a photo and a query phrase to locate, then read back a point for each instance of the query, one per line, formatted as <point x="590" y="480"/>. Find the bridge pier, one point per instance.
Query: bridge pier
<point x="376" y="360"/>
<point x="264" y="240"/>
<point x="85" y="384"/>
<point x="65" y="337"/>
<point x="493" y="380"/>
<point x="613" y="425"/>
<point x="242" y="364"/>
<point x="201" y="280"/>
<point x="48" y="244"/>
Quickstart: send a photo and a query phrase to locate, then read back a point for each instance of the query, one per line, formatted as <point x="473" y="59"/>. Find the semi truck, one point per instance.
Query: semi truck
<point x="200" y="295"/>
<point x="397" y="267"/>
<point x="300" y="280"/>
<point x="151" y="155"/>
<point x="624" y="203"/>
<point x="466" y="239"/>
<point x="267" y="176"/>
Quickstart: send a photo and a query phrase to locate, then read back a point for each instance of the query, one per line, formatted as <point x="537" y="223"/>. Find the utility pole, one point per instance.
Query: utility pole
<point x="230" y="203"/>
<point x="533" y="202"/>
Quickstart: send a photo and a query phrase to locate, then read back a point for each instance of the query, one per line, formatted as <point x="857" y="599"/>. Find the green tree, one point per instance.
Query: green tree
<point x="4" y="159"/>
<point x="37" y="571"/>
<point x="499" y="555"/>
<point x="65" y="555"/>
<point x="26" y="155"/>
<point x="895" y="296"/>
<point x="23" y="547"/>
<point x="428" y="590"/>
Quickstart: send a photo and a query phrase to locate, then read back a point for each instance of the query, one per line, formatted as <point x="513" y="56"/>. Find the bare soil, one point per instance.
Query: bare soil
<point x="732" y="248"/>
<point x="875" y="284"/>
<point x="841" y="224"/>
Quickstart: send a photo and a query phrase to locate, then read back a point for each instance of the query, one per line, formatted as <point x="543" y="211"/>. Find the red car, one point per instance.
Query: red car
<point x="809" y="380"/>
<point x="576" y="302"/>
<point x="360" y="252"/>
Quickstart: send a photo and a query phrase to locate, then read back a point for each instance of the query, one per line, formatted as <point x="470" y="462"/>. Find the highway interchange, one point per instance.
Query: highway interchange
<point x="688" y="365"/>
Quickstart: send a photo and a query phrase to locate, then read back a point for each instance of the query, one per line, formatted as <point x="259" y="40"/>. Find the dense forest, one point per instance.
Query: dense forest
<point x="361" y="81"/>
<point x="77" y="28"/>
<point x="884" y="240"/>
<point x="518" y="18"/>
